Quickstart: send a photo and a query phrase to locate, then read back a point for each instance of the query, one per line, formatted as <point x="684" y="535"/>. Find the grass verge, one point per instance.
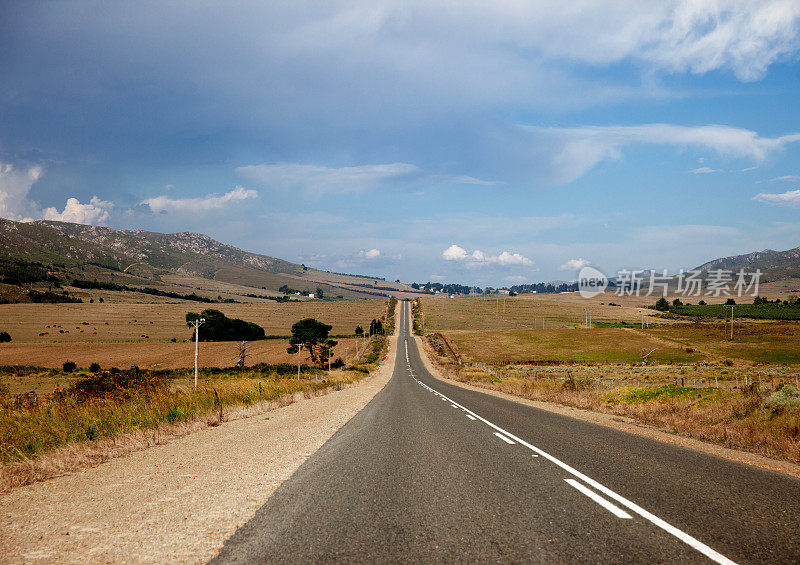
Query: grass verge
<point x="757" y="412"/>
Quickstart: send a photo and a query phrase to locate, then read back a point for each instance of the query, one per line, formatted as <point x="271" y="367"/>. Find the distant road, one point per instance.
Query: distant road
<point x="429" y="471"/>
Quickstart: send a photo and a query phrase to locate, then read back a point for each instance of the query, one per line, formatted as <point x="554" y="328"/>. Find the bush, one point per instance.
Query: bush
<point x="785" y="399"/>
<point x="730" y="302"/>
<point x="5" y="337"/>
<point x="69" y="366"/>
<point x="337" y="363"/>
<point x="94" y="368"/>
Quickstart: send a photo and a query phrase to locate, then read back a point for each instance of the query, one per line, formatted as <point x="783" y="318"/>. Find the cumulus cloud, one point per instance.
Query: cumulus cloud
<point x="165" y="204"/>
<point x="95" y="212"/>
<point x="574" y="265"/>
<point x="477" y="257"/>
<point x="575" y="151"/>
<point x="370" y="254"/>
<point x="15" y="184"/>
<point x="14" y="187"/>
<point x="325" y="179"/>
<point x="790" y="198"/>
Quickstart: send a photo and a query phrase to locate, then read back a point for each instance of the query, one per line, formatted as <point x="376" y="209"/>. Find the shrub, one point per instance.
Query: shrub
<point x="730" y="302"/>
<point x="5" y="337"/>
<point x="94" y="368"/>
<point x="69" y="366"/>
<point x="785" y="399"/>
<point x="662" y="304"/>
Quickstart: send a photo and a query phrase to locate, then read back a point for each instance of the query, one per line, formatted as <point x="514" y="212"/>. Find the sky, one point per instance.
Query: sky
<point x="481" y="143"/>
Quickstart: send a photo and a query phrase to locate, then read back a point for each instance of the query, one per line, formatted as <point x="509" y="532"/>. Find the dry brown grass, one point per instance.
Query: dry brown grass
<point x="78" y="455"/>
<point x="162" y="322"/>
<point x="154" y="355"/>
<point x="731" y="415"/>
<point x="527" y="311"/>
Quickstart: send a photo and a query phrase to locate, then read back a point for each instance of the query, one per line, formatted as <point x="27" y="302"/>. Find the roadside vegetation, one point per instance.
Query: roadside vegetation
<point x="752" y="407"/>
<point x="83" y="416"/>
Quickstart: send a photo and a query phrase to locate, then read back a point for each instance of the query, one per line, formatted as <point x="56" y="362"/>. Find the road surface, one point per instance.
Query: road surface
<point x="431" y="472"/>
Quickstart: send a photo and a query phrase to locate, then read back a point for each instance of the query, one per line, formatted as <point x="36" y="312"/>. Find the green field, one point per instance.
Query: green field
<point x="770" y="311"/>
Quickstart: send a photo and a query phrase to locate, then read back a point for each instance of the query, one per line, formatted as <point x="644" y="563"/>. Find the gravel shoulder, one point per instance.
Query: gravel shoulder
<point x="178" y="502"/>
<point x="625" y="424"/>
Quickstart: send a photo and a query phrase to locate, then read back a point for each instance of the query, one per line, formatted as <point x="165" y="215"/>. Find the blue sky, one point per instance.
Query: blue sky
<point x="465" y="142"/>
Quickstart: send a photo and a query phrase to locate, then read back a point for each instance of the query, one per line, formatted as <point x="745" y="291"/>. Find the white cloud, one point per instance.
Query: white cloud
<point x="477" y="257"/>
<point x="464" y="179"/>
<point x="789" y="198"/>
<point x="454" y="253"/>
<point x="371" y="254"/>
<point x="324" y="179"/>
<point x="574" y="265"/>
<point x="14" y="187"/>
<point x="95" y="212"/>
<point x="705" y="171"/>
<point x="437" y="277"/>
<point x="15" y="184"/>
<point x="515" y="279"/>
<point x="575" y="151"/>
<point x="195" y="205"/>
<point x="786" y="177"/>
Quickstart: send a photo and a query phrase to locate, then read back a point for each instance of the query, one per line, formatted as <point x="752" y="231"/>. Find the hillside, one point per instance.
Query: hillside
<point x="180" y="262"/>
<point x="775" y="265"/>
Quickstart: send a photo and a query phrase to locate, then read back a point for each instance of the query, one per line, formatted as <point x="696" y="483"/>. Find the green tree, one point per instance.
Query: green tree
<point x="662" y="304"/>
<point x="319" y="293"/>
<point x="218" y="327"/>
<point x="730" y="302"/>
<point x="312" y="336"/>
<point x="6" y="337"/>
<point x="677" y="302"/>
<point x="69" y="366"/>
<point x="359" y="330"/>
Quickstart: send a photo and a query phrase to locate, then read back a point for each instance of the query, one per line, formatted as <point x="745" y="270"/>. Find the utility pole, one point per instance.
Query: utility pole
<point x="196" y="325"/>
<point x="731" y="323"/>
<point x="642" y="319"/>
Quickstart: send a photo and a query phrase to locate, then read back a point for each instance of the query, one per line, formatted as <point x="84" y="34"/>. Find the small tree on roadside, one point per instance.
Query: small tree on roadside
<point x="312" y="336"/>
<point x="359" y="330"/>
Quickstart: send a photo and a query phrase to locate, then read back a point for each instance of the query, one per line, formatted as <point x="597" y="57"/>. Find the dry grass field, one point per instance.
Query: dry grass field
<point x="603" y="345"/>
<point x="158" y="355"/>
<point x="530" y="311"/>
<point x="483" y="334"/>
<point x="162" y="322"/>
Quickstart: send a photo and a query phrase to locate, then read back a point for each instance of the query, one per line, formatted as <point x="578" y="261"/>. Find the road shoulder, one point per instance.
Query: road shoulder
<point x="623" y="423"/>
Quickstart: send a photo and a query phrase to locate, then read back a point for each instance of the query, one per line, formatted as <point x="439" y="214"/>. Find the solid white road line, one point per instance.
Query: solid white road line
<point x="504" y="438"/>
<point x="655" y="520"/>
<point x="471" y="417"/>
<point x="619" y="513"/>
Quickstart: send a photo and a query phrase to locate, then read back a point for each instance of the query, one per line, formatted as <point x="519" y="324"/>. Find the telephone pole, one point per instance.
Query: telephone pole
<point x="196" y="325"/>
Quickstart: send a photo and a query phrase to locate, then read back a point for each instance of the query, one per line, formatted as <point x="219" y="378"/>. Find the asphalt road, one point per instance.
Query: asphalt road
<point x="431" y="472"/>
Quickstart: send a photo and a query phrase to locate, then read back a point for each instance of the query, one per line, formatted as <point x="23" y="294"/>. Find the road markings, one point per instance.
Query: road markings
<point x="504" y="438"/>
<point x="655" y="520"/>
<point x="471" y="417"/>
<point x="618" y="512"/>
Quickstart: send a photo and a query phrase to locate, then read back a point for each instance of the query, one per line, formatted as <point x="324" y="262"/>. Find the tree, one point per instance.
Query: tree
<point x="730" y="302"/>
<point x="415" y="286"/>
<point x="702" y="303"/>
<point x="69" y="366"/>
<point x="359" y="330"/>
<point x="5" y="337"/>
<point x="218" y="327"/>
<point x="319" y="293"/>
<point x="312" y="336"/>
<point x="662" y="304"/>
<point x="375" y="327"/>
<point x="677" y="302"/>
